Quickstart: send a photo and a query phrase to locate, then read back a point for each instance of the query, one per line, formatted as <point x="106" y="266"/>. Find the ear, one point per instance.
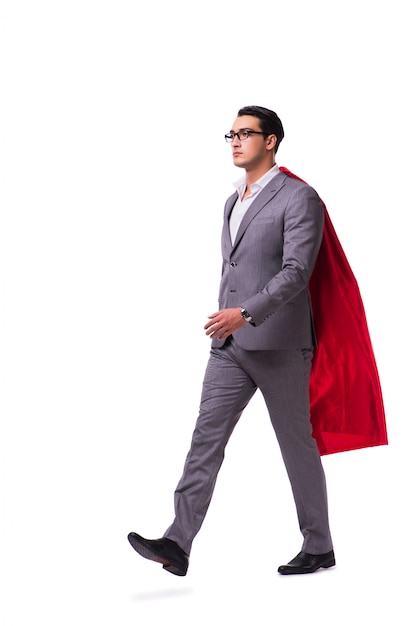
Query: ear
<point x="271" y="142"/>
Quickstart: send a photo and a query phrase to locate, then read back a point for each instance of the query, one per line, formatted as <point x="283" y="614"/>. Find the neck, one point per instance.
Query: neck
<point x="253" y="175"/>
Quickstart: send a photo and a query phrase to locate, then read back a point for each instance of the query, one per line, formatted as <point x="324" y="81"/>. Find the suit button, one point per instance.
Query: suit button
<point x="233" y="264"/>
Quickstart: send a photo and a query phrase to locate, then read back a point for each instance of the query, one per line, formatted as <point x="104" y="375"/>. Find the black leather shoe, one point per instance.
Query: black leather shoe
<point x="305" y="563"/>
<point x="164" y="551"/>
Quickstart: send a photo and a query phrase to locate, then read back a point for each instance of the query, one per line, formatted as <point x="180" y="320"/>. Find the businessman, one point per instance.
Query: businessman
<point x="262" y="337"/>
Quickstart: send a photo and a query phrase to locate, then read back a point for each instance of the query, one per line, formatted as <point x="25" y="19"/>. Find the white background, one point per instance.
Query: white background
<point x="113" y="173"/>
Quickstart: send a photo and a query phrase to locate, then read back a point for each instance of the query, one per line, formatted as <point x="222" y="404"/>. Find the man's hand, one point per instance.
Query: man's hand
<point x="224" y="323"/>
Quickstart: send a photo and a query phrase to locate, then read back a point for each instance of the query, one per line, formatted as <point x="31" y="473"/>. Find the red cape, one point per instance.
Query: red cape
<point x="347" y="411"/>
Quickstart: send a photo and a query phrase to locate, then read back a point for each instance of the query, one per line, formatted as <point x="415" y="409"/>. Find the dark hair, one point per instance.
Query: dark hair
<point x="269" y="121"/>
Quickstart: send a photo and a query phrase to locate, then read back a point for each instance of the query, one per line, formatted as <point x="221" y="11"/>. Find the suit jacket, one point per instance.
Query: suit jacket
<point x="268" y="268"/>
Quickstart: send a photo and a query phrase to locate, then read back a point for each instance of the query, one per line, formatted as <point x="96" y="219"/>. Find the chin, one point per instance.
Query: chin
<point x="239" y="163"/>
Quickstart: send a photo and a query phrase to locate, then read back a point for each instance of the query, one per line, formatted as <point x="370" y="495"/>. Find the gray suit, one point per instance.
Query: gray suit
<point x="266" y="271"/>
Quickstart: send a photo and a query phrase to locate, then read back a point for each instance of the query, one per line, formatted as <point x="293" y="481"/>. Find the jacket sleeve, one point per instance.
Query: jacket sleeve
<point x="302" y="236"/>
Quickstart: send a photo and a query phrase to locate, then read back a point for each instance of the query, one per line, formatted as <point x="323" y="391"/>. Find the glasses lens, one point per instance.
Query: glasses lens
<point x="229" y="137"/>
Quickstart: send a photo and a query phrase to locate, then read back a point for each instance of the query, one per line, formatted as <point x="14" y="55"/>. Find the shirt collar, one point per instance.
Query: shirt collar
<point x="259" y="184"/>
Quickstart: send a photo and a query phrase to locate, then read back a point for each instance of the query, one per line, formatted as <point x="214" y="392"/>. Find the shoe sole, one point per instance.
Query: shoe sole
<point x="170" y="566"/>
<point x="175" y="569"/>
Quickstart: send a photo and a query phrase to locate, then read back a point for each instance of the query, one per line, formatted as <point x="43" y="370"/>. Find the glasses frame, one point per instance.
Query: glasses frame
<point x="229" y="137"/>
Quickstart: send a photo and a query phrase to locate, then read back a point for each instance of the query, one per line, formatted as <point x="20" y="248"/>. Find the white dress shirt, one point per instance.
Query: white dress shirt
<point x="242" y="204"/>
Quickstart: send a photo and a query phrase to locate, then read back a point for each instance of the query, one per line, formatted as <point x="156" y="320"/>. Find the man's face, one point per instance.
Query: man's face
<point x="250" y="152"/>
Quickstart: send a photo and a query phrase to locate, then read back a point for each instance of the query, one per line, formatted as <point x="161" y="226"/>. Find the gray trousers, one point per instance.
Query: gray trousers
<point x="232" y="377"/>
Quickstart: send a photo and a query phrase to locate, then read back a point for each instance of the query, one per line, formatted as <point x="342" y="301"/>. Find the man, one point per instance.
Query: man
<point x="262" y="338"/>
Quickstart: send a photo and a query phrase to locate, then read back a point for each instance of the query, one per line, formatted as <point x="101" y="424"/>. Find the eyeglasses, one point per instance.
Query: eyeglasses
<point x="242" y="134"/>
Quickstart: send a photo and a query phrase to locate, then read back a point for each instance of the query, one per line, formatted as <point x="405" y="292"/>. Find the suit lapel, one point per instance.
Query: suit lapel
<point x="226" y="234"/>
<point x="265" y="195"/>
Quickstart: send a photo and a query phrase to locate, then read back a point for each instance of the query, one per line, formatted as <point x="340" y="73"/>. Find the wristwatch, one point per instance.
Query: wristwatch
<point x="245" y="315"/>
